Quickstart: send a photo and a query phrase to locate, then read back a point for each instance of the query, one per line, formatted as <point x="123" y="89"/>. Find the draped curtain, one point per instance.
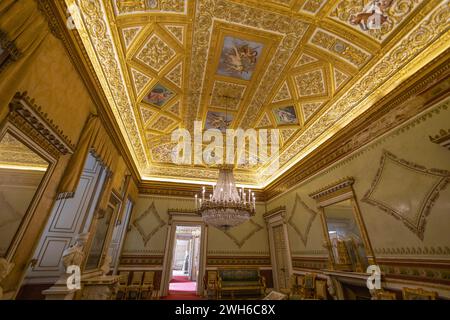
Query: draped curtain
<point x="22" y="30"/>
<point x="95" y="139"/>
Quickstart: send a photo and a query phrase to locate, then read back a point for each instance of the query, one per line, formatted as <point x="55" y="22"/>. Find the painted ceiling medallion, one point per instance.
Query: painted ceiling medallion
<point x="413" y="199"/>
<point x="159" y="96"/>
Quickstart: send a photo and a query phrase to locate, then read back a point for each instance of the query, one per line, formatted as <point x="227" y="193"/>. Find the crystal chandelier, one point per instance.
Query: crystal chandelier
<point x="227" y="206"/>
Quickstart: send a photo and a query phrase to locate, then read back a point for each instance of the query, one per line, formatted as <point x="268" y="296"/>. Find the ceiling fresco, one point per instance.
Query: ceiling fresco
<point x="306" y="67"/>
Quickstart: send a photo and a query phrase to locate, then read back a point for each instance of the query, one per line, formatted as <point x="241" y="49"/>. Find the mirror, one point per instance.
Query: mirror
<point x="101" y="231"/>
<point x="346" y="238"/>
<point x="347" y="245"/>
<point x="21" y="173"/>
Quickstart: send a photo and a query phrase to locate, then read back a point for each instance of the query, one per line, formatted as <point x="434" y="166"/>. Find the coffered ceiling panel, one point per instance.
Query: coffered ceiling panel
<point x="305" y="67"/>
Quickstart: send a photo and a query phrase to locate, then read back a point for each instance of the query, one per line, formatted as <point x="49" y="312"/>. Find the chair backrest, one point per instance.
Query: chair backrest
<point x="239" y="274"/>
<point x="321" y="289"/>
<point x="124" y="276"/>
<point x="418" y="294"/>
<point x="137" y="278"/>
<point x="310" y="280"/>
<point x="149" y="277"/>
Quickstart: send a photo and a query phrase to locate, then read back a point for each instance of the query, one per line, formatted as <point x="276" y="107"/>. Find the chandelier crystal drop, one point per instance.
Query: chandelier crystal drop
<point x="226" y="207"/>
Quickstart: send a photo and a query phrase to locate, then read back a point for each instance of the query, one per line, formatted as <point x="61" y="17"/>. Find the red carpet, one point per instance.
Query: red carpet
<point x="176" y="279"/>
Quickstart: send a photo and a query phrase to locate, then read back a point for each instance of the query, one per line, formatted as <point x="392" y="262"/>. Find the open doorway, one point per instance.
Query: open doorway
<point x="186" y="260"/>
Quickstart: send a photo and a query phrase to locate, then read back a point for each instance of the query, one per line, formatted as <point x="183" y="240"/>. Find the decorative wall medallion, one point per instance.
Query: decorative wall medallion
<point x="149" y="223"/>
<point x="412" y="200"/>
<point x="244" y="232"/>
<point x="301" y="218"/>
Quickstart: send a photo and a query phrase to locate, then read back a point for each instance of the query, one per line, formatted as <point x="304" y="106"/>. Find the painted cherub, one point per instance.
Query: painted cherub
<point x="234" y="60"/>
<point x="373" y="15"/>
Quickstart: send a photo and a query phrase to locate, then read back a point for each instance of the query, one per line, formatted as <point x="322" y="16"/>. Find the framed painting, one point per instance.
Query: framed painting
<point x="159" y="95"/>
<point x="286" y="115"/>
<point x="239" y="58"/>
<point x="218" y="120"/>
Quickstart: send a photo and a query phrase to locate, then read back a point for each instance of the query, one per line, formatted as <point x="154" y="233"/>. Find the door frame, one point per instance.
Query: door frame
<point x="276" y="218"/>
<point x="183" y="218"/>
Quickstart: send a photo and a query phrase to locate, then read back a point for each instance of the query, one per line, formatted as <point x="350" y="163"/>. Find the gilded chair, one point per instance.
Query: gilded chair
<point x="210" y="284"/>
<point x="309" y="286"/>
<point x="123" y="285"/>
<point x="321" y="290"/>
<point x="383" y="295"/>
<point x="134" y="289"/>
<point x="418" y="294"/>
<point x="147" y="285"/>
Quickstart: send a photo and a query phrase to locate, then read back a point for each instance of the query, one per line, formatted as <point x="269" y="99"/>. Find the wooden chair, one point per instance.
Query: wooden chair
<point x="147" y="285"/>
<point x="321" y="290"/>
<point x="384" y="295"/>
<point x="418" y="294"/>
<point x="134" y="289"/>
<point x="210" y="284"/>
<point x="123" y="285"/>
<point x="309" y="286"/>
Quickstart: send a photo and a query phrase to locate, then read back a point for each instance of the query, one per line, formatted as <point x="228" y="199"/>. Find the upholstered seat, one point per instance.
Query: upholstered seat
<point x="240" y="280"/>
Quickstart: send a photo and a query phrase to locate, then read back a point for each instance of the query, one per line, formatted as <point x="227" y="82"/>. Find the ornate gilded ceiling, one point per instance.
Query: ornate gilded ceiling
<point x="306" y="67"/>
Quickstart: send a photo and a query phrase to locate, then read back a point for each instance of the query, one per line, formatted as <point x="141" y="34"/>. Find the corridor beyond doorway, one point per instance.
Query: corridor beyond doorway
<point x="185" y="264"/>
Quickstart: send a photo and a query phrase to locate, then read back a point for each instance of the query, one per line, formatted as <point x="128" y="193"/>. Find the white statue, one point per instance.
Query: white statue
<point x="331" y="288"/>
<point x="74" y="255"/>
<point x="5" y="269"/>
<point x="106" y="266"/>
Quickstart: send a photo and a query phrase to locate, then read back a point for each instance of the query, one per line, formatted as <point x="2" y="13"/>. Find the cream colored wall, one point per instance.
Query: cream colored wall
<point x="56" y="86"/>
<point x="218" y="242"/>
<point x="389" y="236"/>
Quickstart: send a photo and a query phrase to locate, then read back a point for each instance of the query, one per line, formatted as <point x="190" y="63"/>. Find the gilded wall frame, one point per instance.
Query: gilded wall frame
<point x="26" y="123"/>
<point x="340" y="191"/>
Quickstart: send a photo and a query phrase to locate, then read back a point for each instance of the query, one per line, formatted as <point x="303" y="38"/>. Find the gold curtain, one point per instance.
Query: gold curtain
<point x="95" y="139"/>
<point x="22" y="30"/>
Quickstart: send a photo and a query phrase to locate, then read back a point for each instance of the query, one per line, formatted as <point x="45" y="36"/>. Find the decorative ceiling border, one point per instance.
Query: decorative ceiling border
<point x="427" y="203"/>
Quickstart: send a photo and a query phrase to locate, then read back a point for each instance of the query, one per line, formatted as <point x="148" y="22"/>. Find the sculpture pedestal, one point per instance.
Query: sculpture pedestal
<point x="100" y="288"/>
